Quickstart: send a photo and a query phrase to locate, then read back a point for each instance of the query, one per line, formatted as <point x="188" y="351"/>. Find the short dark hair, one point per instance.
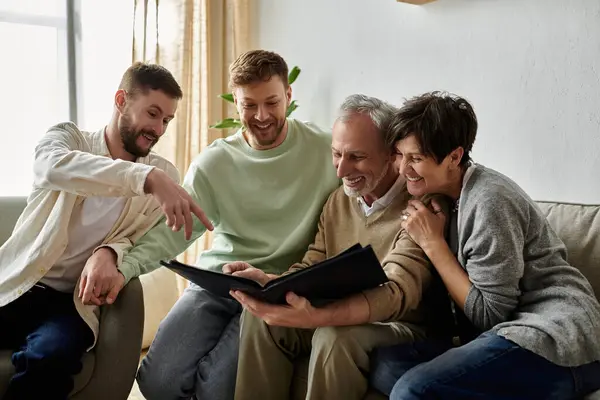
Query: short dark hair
<point x="142" y="77"/>
<point x="440" y="121"/>
<point x="255" y="66"/>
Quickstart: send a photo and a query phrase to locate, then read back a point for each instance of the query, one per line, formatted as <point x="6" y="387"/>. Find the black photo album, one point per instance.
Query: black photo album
<point x="352" y="271"/>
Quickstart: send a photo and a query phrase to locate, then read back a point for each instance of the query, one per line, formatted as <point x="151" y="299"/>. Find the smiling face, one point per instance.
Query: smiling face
<point x="143" y="119"/>
<point x="262" y="107"/>
<point x="423" y="174"/>
<point x="361" y="158"/>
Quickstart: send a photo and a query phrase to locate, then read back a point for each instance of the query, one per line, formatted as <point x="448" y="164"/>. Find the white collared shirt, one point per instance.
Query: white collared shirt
<point x="90" y="223"/>
<point x="384" y="200"/>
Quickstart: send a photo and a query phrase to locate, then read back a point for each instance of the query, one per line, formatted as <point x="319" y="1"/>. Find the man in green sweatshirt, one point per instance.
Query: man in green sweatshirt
<point x="263" y="188"/>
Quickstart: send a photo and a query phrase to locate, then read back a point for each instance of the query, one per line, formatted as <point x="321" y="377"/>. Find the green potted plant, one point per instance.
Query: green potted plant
<point x="235" y="123"/>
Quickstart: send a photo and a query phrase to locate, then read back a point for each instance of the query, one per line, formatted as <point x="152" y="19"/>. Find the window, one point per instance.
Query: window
<point x="34" y="74"/>
<point x="61" y="61"/>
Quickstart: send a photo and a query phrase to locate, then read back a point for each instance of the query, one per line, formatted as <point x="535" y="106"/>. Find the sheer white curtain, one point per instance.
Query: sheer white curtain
<point x="196" y="40"/>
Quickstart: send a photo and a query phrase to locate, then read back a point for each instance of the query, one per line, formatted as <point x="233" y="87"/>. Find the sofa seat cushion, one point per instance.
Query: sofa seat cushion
<point x="81" y="380"/>
<point x="160" y="294"/>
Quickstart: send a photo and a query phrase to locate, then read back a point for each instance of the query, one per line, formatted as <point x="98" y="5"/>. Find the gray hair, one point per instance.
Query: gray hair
<point x="380" y="112"/>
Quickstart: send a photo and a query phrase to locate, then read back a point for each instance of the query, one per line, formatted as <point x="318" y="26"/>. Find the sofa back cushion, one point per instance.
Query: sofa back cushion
<point x="10" y="210"/>
<point x="579" y="227"/>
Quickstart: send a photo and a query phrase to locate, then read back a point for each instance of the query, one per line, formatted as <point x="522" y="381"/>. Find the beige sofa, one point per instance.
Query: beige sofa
<point x="109" y="369"/>
<point x="577" y="225"/>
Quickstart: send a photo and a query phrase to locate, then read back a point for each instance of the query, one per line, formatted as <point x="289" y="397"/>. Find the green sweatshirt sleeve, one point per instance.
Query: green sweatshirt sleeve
<point x="160" y="242"/>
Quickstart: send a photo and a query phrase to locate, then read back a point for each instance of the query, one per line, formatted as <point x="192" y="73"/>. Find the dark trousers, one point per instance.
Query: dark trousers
<point x="48" y="338"/>
<point x="489" y="367"/>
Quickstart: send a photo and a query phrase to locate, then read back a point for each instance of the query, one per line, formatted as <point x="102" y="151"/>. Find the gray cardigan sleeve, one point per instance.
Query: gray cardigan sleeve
<point x="493" y="229"/>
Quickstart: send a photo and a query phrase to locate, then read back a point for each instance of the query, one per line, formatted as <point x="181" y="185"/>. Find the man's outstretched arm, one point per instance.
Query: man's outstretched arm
<point x="60" y="164"/>
<point x="161" y="242"/>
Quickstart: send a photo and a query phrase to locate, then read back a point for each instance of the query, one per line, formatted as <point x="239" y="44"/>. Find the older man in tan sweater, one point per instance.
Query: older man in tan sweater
<point x="339" y="336"/>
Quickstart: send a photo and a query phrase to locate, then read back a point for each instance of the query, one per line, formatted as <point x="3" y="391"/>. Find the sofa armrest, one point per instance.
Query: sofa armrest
<point x="117" y="351"/>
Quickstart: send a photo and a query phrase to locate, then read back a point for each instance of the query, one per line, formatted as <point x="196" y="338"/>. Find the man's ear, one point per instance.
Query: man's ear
<point x="288" y="95"/>
<point x="236" y="102"/>
<point x="120" y="100"/>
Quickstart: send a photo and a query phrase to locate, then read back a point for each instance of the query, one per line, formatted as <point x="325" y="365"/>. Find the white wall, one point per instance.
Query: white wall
<point x="105" y="54"/>
<point x="530" y="67"/>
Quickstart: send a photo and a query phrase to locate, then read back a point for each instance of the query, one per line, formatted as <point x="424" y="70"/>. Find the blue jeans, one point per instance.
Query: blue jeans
<point x="49" y="339"/>
<point x="195" y="351"/>
<point x="489" y="367"/>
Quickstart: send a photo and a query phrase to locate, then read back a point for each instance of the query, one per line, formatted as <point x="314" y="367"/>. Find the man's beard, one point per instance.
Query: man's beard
<point x="268" y="141"/>
<point x="129" y="137"/>
<point x="367" y="189"/>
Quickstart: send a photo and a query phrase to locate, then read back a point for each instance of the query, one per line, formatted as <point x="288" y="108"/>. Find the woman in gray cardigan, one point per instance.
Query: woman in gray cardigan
<point x="533" y="319"/>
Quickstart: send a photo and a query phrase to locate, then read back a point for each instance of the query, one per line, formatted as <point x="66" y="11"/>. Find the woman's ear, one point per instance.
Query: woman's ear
<point x="456" y="156"/>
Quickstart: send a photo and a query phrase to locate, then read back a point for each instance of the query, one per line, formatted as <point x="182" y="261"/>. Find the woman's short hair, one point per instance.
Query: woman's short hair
<point x="440" y="121"/>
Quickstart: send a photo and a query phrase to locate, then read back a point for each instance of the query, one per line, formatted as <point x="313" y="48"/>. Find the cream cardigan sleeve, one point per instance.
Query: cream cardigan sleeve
<point x="63" y="163"/>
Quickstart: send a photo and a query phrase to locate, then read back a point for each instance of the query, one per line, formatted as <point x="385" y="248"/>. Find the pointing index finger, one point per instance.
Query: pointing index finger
<point x="201" y="216"/>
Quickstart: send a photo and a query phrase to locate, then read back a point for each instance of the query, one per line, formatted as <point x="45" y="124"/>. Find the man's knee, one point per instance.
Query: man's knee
<point x="56" y="348"/>
<point x="334" y="339"/>
<point x="53" y="348"/>
<point x="158" y="381"/>
<point x="250" y="323"/>
<point x="254" y="328"/>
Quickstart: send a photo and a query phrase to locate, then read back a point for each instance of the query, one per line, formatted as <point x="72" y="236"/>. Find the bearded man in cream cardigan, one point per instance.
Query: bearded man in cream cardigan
<point x="94" y="194"/>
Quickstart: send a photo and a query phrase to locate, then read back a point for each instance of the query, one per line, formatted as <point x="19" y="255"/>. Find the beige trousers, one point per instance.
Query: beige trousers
<point x="338" y="365"/>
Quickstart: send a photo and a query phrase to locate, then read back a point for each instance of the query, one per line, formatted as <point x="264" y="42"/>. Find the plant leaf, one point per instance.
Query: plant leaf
<point x="227" y="97"/>
<point x="293" y="105"/>
<point x="227" y="123"/>
<point x="293" y="75"/>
